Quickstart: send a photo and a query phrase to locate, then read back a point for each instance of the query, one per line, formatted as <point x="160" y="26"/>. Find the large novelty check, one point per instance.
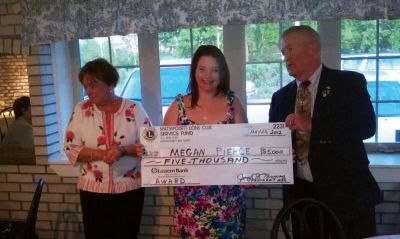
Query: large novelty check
<point x="224" y="154"/>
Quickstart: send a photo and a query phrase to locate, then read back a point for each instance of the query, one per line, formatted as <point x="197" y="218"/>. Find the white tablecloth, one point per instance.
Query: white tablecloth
<point x="385" y="237"/>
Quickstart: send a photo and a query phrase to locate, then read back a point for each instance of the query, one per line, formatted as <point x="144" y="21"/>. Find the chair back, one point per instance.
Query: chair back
<point x="30" y="225"/>
<point x="300" y="210"/>
<point x="6" y="115"/>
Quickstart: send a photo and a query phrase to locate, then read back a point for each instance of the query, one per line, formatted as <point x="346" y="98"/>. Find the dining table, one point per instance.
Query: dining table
<point x="396" y="236"/>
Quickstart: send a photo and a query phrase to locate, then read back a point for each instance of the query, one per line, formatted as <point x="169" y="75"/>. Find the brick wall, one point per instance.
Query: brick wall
<point x="43" y="100"/>
<point x="59" y="212"/>
<point x="10" y="28"/>
<point x="388" y="212"/>
<point x="13" y="78"/>
<point x="58" y="215"/>
<point x="13" y="72"/>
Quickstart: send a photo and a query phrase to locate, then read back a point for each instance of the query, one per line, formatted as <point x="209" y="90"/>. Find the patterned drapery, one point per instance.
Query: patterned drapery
<point x="46" y="21"/>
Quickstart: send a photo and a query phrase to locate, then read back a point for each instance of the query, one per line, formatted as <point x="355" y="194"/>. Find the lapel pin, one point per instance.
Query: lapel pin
<point x="326" y="91"/>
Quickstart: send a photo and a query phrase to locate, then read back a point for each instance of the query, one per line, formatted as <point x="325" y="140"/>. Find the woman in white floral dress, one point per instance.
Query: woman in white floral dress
<point x="102" y="138"/>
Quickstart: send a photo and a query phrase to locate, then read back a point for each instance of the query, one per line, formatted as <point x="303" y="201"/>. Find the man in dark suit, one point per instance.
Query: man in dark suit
<point x="334" y="167"/>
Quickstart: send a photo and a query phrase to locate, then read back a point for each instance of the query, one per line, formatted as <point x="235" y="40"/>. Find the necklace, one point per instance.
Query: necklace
<point x="108" y="106"/>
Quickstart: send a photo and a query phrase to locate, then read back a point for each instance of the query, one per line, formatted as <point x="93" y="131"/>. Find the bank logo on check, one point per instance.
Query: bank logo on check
<point x="150" y="133"/>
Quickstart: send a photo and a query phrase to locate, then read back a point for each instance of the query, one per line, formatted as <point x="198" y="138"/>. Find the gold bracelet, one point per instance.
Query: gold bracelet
<point x="91" y="155"/>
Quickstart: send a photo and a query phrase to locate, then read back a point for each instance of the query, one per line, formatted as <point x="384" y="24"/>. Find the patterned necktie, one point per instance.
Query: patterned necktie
<point x="303" y="105"/>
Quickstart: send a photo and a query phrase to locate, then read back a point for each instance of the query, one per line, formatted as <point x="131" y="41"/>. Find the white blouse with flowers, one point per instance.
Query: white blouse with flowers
<point x="89" y="127"/>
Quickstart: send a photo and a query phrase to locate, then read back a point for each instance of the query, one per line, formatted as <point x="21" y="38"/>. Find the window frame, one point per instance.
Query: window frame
<point x="192" y="51"/>
<point x="129" y="68"/>
<point x="376" y="56"/>
<point x="267" y="102"/>
<point x="371" y="147"/>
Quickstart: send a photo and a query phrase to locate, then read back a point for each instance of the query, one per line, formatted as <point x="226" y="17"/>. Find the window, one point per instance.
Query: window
<point x="176" y="50"/>
<point x="373" y="49"/>
<point x="265" y="70"/>
<point x="174" y="81"/>
<point x="120" y="51"/>
<point x="369" y="47"/>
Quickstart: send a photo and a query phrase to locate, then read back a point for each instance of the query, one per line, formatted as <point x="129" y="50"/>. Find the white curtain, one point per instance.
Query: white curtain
<point x="46" y="21"/>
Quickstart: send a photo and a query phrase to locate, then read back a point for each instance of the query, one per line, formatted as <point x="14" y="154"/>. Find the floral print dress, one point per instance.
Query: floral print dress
<point x="209" y="211"/>
<point x="93" y="128"/>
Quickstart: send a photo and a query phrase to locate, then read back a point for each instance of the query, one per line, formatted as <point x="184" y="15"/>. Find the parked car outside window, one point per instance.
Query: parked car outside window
<point x="389" y="65"/>
<point x="384" y="88"/>
<point x="174" y="81"/>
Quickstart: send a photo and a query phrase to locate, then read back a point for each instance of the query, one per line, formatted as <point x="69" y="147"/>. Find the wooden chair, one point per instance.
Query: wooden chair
<point x="25" y="229"/>
<point x="6" y="115"/>
<point x="320" y="211"/>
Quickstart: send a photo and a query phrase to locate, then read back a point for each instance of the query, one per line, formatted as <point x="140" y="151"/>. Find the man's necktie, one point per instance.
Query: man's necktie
<point x="303" y="105"/>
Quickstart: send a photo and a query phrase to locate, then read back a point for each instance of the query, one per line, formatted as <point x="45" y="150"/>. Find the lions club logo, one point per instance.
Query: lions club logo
<point x="149" y="133"/>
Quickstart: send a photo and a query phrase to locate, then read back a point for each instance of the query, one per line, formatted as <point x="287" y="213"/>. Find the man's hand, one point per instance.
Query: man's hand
<point x="298" y="121"/>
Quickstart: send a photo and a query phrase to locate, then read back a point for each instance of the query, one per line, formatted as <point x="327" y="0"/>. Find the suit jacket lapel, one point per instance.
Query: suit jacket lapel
<point x="324" y="83"/>
<point x="290" y="98"/>
<point x="289" y="106"/>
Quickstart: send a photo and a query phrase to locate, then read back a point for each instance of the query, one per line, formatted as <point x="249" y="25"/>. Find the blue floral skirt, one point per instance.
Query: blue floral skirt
<point x="209" y="212"/>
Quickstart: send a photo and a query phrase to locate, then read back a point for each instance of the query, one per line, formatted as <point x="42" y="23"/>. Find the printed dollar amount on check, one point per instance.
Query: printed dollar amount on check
<point x="224" y="154"/>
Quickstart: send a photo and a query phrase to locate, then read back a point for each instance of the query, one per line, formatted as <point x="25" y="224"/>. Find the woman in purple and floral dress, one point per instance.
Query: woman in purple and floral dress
<point x="102" y="138"/>
<point x="208" y="211"/>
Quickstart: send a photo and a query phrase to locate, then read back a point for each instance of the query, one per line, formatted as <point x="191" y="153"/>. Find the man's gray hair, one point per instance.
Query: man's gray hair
<point x="309" y="34"/>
